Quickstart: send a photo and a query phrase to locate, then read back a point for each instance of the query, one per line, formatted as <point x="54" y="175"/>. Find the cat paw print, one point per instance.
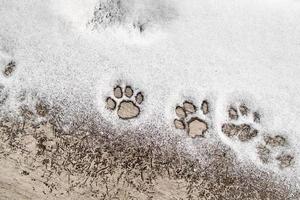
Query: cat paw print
<point x="125" y="101"/>
<point x="240" y="123"/>
<point x="188" y="120"/>
<point x="7" y="64"/>
<point x="271" y="149"/>
<point x="285" y="160"/>
<point x="9" y="69"/>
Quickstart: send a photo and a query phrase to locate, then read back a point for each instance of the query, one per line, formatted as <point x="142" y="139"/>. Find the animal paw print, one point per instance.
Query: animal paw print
<point x="236" y="128"/>
<point x="193" y="125"/>
<point x="285" y="160"/>
<point x="126" y="102"/>
<point x="7" y="63"/>
<point x="271" y="144"/>
<point x="9" y="69"/>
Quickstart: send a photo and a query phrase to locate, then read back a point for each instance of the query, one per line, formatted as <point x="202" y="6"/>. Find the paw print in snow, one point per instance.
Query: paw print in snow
<point x="9" y="69"/>
<point x="267" y="151"/>
<point x="125" y="102"/>
<point x="193" y="125"/>
<point x="243" y="131"/>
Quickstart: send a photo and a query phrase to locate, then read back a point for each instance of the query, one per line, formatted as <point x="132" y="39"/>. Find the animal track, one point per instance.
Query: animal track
<point x="193" y="125"/>
<point x="285" y="160"/>
<point x="241" y="126"/>
<point x="270" y="143"/>
<point x="9" y="69"/>
<point x="243" y="131"/>
<point x="127" y="107"/>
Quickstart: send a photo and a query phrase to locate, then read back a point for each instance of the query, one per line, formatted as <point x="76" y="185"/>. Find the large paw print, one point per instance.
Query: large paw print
<point x="267" y="151"/>
<point x="193" y="125"/>
<point x="236" y="128"/>
<point x="125" y="101"/>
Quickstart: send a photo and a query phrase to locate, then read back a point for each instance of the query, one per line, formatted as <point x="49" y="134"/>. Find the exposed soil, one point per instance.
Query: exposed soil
<point x="42" y="159"/>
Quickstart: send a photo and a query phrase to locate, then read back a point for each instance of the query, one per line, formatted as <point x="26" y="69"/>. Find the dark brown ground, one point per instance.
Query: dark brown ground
<point x="88" y="161"/>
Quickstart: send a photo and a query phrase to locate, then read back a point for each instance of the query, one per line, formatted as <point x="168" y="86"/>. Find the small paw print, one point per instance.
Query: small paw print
<point x="9" y="69"/>
<point x="126" y="102"/>
<point x="267" y="151"/>
<point x="285" y="160"/>
<point x="193" y="125"/>
<point x="243" y="131"/>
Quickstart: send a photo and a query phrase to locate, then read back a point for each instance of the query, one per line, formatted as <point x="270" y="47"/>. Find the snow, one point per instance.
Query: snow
<point x="224" y="51"/>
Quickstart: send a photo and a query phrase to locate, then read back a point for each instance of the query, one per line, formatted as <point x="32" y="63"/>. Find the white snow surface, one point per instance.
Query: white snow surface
<point x="225" y="51"/>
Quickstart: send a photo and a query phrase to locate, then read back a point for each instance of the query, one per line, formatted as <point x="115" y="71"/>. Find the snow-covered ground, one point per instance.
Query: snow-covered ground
<point x="225" y="51"/>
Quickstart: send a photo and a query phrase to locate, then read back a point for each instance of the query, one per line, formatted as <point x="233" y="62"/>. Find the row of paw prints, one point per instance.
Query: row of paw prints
<point x="195" y="121"/>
